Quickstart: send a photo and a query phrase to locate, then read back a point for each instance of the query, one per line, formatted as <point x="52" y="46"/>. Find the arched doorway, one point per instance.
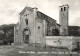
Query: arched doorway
<point x="26" y="34"/>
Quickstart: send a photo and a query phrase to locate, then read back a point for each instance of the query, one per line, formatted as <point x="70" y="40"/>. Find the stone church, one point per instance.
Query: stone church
<point x="33" y="26"/>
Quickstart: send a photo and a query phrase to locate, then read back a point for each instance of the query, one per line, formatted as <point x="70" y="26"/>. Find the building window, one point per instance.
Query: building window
<point x="26" y="20"/>
<point x="39" y="31"/>
<point x="61" y="9"/>
<point x="26" y="14"/>
<point x="38" y="27"/>
<point x="64" y="8"/>
<point x="17" y="32"/>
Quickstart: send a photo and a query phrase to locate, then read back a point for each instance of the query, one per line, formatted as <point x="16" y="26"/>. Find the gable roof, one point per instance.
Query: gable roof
<point x="46" y="17"/>
<point x="29" y="8"/>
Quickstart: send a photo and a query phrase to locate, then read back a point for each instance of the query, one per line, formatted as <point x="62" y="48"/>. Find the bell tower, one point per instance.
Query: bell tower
<point x="63" y="19"/>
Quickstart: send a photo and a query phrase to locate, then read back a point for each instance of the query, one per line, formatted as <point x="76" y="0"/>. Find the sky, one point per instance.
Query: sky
<point x="10" y="9"/>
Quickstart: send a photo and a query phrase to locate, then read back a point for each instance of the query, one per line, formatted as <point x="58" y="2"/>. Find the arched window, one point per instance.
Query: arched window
<point x="38" y="27"/>
<point x="26" y="20"/>
<point x="61" y="9"/>
<point x="39" y="30"/>
<point x="64" y="8"/>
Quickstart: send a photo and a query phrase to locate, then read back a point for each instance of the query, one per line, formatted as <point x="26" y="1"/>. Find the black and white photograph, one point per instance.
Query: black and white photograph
<point x="39" y="27"/>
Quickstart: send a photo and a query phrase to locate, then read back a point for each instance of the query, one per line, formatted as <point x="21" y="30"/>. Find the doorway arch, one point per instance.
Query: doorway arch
<point x="26" y="34"/>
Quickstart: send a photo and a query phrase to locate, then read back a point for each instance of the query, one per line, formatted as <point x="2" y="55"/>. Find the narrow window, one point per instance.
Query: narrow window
<point x="39" y="31"/>
<point x="26" y="14"/>
<point x="64" y="8"/>
<point x="38" y="27"/>
<point x="26" y="20"/>
<point x="17" y="32"/>
<point x="61" y="9"/>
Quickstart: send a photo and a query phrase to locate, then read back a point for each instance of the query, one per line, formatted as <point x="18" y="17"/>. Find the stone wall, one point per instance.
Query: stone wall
<point x="69" y="42"/>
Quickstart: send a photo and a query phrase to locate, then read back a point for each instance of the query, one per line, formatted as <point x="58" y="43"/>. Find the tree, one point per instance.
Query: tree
<point x="8" y="35"/>
<point x="74" y="31"/>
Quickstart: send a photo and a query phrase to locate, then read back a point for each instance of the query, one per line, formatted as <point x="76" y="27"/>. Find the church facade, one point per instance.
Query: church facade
<point x="33" y="26"/>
